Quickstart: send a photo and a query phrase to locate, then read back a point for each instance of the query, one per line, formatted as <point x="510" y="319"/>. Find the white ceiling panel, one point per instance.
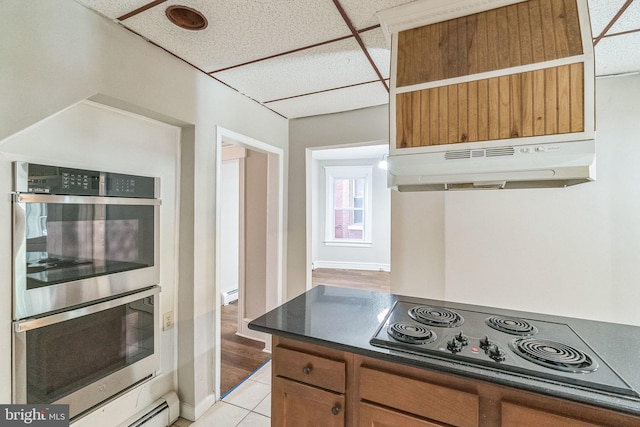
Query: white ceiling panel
<point x="377" y="47"/>
<point x="351" y="98"/>
<point x="630" y="19"/>
<point x="363" y="13"/>
<point x="602" y="12"/>
<point x="324" y="67"/>
<point x="617" y="55"/>
<point x="242" y="31"/>
<point x="114" y="8"/>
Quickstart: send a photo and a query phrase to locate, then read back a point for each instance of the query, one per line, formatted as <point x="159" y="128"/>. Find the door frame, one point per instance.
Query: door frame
<point x="275" y="234"/>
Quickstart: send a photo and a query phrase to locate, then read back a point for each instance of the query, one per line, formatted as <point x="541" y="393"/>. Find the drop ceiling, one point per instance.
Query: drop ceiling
<point x="310" y="57"/>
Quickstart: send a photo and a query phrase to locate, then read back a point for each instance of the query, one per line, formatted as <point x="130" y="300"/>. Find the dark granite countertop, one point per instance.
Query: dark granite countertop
<point x="346" y="319"/>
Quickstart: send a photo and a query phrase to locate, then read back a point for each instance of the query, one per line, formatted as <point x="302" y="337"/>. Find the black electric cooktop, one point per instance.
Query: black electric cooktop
<point x="531" y="348"/>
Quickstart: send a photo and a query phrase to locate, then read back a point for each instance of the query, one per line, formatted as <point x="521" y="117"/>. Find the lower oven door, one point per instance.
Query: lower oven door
<point x="85" y="356"/>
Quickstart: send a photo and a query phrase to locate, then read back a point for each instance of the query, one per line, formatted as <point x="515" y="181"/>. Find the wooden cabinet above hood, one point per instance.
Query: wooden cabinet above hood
<point x="513" y="73"/>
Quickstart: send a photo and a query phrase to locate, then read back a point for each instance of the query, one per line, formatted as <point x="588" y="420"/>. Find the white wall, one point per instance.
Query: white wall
<point x="376" y="257"/>
<point x="55" y="54"/>
<point x="572" y="251"/>
<point x="229" y="224"/>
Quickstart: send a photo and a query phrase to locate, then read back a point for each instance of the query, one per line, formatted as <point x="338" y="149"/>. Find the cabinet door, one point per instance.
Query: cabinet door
<point x="375" y="416"/>
<point x="299" y="405"/>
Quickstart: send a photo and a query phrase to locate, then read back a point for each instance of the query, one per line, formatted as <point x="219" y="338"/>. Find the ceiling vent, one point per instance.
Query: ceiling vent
<point x="186" y="17"/>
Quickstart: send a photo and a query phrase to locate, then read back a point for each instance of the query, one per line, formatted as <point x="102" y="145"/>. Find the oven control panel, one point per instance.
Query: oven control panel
<point x="46" y="179"/>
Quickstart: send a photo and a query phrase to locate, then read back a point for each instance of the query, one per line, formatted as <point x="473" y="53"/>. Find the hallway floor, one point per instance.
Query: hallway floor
<point x="247" y="405"/>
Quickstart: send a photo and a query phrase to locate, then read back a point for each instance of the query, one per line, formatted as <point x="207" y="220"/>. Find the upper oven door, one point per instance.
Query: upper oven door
<point x="70" y="250"/>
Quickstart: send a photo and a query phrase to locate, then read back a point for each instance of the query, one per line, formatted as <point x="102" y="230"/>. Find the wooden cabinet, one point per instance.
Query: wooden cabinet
<point x="322" y="387"/>
<point x="376" y="416"/>
<point x="308" y="385"/>
<point x="299" y="405"/>
<point x="524" y="70"/>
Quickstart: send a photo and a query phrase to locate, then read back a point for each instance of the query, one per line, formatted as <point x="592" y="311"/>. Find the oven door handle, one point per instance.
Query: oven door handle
<point x="39" y="322"/>
<point x="82" y="200"/>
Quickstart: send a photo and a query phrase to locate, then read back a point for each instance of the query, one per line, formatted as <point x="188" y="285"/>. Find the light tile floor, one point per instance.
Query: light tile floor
<point x="247" y="405"/>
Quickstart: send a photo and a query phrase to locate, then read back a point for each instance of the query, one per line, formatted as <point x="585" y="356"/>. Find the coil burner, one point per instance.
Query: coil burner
<point x="436" y="316"/>
<point x="553" y="355"/>
<point x="411" y="333"/>
<point x="511" y="325"/>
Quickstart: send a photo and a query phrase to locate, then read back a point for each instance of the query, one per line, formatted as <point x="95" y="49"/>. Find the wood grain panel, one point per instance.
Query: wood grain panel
<point x="483" y="110"/>
<point x="520" y="34"/>
<point x="494" y="109"/>
<point x="416" y="119"/>
<point x="573" y="28"/>
<point x="463" y="113"/>
<point x="472" y="112"/>
<point x="535" y="22"/>
<point x="527" y="97"/>
<point x="538" y="103"/>
<point x="577" y="97"/>
<point x="504" y="90"/>
<point x="534" y="103"/>
<point x="551" y="101"/>
<point x="443" y="404"/>
<point x="443" y="115"/>
<point x="452" y="136"/>
<point x="434" y="116"/>
<point x="515" y="105"/>
<point x="564" y="99"/>
<point x="516" y="415"/>
<point x="377" y="416"/>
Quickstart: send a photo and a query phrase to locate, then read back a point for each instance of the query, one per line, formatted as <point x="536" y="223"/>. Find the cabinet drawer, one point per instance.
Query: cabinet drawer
<point x="427" y="400"/>
<point x="314" y="370"/>
<point x="521" y="416"/>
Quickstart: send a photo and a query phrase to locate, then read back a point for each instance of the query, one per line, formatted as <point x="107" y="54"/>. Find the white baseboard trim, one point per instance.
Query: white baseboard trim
<point x="192" y="413"/>
<point x="245" y="332"/>
<point x="345" y="265"/>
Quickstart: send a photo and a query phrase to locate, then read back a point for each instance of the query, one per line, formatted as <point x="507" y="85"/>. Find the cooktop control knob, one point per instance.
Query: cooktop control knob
<point x="462" y="339"/>
<point x="454" y="345"/>
<point x="496" y="353"/>
<point x="485" y="343"/>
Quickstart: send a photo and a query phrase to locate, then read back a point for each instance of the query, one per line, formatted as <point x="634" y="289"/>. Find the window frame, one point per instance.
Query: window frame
<point x="333" y="173"/>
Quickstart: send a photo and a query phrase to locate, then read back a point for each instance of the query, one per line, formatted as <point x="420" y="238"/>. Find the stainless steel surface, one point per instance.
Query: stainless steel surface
<point x="31" y="302"/>
<point x="83" y="200"/>
<point x="104" y="388"/>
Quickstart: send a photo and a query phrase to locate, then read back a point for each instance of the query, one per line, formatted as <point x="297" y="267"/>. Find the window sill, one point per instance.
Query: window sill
<point x="348" y="243"/>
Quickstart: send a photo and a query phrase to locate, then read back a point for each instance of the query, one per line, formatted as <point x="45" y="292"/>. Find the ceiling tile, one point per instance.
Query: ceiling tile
<point x="630" y="19"/>
<point x="363" y="13"/>
<point x="377" y="47"/>
<point x="242" y="31"/>
<point x="618" y="54"/>
<point x="602" y="12"/>
<point x="114" y="8"/>
<point x="324" y="67"/>
<point x="351" y="98"/>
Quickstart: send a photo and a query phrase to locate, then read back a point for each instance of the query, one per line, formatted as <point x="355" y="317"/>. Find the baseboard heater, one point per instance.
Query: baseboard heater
<point x="229" y="296"/>
<point x="161" y="413"/>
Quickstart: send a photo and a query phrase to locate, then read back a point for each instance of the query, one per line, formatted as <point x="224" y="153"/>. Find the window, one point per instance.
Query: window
<point x="348" y="205"/>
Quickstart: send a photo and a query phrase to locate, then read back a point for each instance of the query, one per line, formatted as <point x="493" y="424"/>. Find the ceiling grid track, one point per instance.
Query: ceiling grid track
<point x="612" y="22"/>
<point x="356" y="35"/>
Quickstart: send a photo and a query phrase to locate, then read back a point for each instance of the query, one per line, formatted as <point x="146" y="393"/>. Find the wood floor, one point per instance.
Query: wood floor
<point x="379" y="281"/>
<point x="241" y="356"/>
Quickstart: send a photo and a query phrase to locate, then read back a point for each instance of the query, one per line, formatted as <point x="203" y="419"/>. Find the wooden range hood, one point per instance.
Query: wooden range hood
<point x="472" y="75"/>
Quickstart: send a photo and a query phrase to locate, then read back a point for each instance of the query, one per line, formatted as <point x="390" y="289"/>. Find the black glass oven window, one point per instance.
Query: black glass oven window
<point x="67" y="356"/>
<point x="67" y="242"/>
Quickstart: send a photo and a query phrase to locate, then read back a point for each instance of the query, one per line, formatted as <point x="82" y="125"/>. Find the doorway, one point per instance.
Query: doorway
<point x="249" y="186"/>
<point x="349" y="217"/>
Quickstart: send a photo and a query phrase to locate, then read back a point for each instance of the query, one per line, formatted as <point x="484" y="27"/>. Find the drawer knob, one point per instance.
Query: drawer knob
<point x="335" y="410"/>
<point x="306" y="370"/>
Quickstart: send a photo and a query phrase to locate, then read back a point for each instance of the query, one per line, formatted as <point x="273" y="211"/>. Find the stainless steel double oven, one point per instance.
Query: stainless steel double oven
<point x="85" y="284"/>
